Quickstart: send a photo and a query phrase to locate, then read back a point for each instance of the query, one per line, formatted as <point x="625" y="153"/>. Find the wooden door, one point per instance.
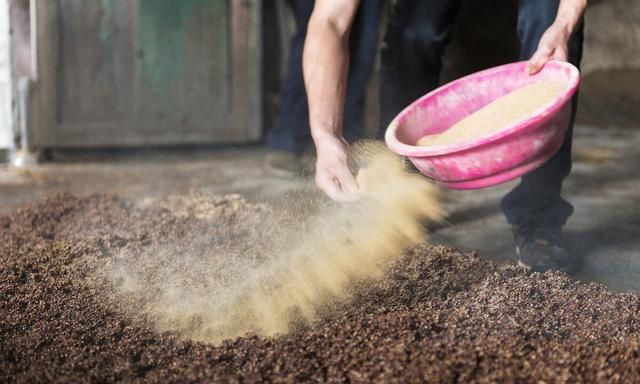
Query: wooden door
<point x="146" y="72"/>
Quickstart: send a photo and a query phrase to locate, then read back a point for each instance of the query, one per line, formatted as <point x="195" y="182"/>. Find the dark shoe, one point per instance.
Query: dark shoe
<point x="542" y="250"/>
<point x="289" y="164"/>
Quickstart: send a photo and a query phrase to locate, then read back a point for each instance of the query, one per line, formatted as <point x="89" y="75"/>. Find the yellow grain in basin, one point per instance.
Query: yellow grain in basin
<point x="498" y="114"/>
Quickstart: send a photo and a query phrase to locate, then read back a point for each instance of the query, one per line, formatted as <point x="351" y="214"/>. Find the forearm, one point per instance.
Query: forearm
<point x="325" y="66"/>
<point x="570" y="15"/>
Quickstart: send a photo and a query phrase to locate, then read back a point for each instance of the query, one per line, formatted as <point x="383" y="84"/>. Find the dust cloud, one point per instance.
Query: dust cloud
<point x="267" y="271"/>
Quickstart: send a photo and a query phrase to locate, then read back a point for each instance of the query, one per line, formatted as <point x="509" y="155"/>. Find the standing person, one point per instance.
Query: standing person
<point x="290" y="138"/>
<point x="416" y="37"/>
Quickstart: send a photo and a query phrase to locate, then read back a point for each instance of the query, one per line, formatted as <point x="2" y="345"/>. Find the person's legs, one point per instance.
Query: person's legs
<point x="411" y="56"/>
<point x="535" y="208"/>
<point x="363" y="44"/>
<point x="291" y="131"/>
<point x="290" y="137"/>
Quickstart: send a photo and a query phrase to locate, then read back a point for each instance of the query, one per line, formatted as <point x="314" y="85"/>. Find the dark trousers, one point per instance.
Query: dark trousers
<point x="291" y="131"/>
<point x="416" y="38"/>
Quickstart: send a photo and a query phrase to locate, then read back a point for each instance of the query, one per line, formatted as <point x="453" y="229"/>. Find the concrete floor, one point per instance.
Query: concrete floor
<point x="604" y="187"/>
<point x="604" y="230"/>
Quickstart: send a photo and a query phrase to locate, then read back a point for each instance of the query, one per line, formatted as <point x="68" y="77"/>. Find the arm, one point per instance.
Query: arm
<point x="325" y="65"/>
<point x="555" y="41"/>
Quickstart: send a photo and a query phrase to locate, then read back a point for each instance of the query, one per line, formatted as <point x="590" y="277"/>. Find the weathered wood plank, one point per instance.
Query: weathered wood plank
<point x="254" y="107"/>
<point x="183" y="63"/>
<point x="42" y="114"/>
<point x="20" y="38"/>
<point x="136" y="134"/>
<point x="246" y="100"/>
<point x="136" y="72"/>
<point x="96" y="60"/>
<point x="206" y="66"/>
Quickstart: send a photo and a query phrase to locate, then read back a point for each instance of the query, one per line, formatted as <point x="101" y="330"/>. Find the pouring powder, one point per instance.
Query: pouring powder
<point x="498" y="114"/>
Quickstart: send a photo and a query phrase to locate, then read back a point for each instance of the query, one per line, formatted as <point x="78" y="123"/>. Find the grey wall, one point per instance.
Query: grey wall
<point x="610" y="94"/>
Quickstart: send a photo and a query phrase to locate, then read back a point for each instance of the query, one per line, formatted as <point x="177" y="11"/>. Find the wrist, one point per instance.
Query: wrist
<point x="323" y="135"/>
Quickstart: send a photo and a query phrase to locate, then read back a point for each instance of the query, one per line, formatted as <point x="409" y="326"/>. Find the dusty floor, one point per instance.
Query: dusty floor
<point x="603" y="187"/>
<point x="440" y="316"/>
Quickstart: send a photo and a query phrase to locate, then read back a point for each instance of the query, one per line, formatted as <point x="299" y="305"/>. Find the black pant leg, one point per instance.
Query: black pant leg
<point x="363" y="44"/>
<point x="291" y="130"/>
<point x="411" y="56"/>
<point x="536" y="202"/>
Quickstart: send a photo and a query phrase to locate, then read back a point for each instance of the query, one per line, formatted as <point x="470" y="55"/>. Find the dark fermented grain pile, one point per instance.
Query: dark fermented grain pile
<point x="440" y="316"/>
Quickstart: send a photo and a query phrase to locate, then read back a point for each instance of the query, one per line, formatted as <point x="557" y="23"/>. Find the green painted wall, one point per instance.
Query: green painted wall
<point x="163" y="35"/>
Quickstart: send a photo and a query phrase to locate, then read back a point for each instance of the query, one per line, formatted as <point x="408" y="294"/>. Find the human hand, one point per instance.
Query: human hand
<point x="554" y="44"/>
<point x="333" y="175"/>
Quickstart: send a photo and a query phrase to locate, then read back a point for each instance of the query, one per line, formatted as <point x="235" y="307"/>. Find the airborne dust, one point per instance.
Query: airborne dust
<point x="265" y="274"/>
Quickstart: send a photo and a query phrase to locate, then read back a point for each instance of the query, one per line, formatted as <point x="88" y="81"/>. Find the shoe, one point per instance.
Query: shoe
<point x="542" y="250"/>
<point x="288" y="164"/>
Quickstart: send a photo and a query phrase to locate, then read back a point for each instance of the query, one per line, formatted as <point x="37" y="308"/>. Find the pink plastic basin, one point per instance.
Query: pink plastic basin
<point x="498" y="157"/>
